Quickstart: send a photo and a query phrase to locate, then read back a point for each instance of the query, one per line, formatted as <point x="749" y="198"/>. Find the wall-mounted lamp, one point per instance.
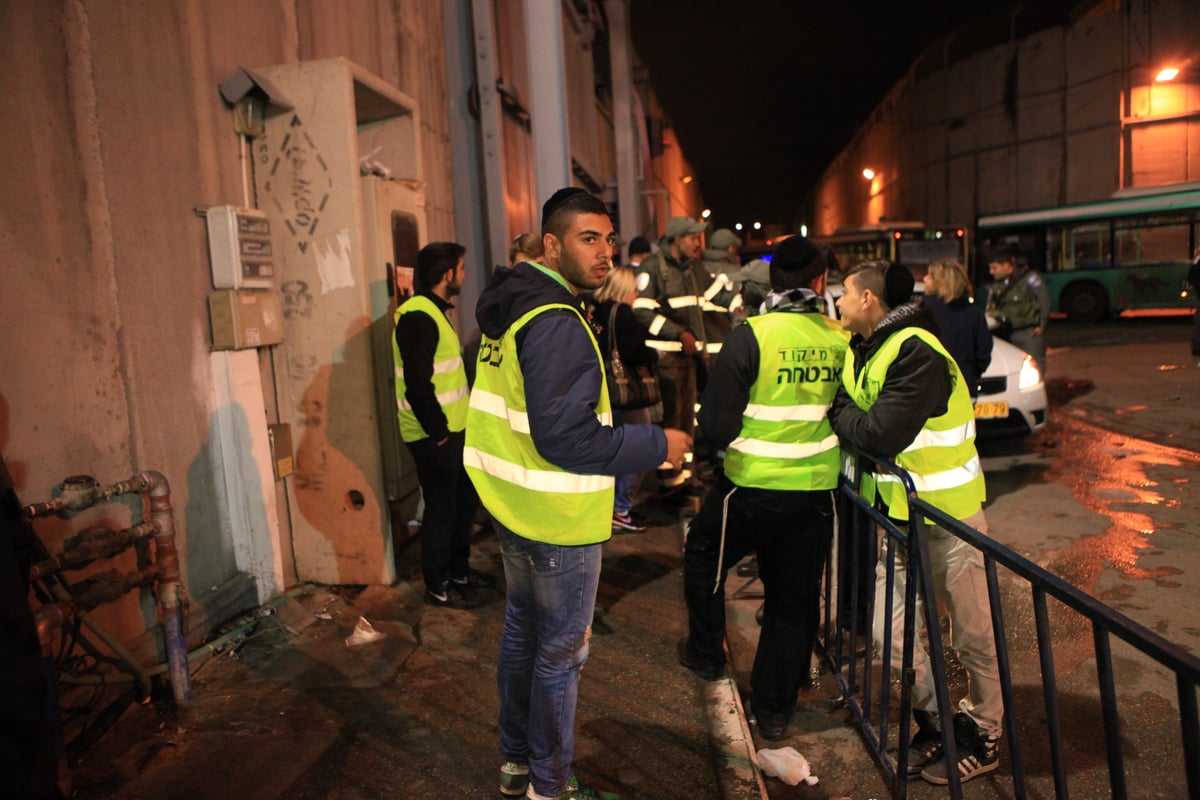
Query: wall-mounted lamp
<point x="868" y="173"/>
<point x="687" y="178"/>
<point x="706" y="213"/>
<point x="1166" y="74"/>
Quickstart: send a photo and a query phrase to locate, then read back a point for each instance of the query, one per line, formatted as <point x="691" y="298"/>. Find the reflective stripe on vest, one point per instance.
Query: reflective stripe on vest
<point x="941" y="460"/>
<point x="521" y="489"/>
<point x="786" y="441"/>
<point x="449" y="377"/>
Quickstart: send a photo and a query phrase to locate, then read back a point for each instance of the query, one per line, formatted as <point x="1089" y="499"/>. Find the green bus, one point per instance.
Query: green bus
<point x="1130" y="252"/>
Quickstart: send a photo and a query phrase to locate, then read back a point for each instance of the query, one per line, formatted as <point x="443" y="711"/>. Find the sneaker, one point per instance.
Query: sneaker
<point x="627" y="522"/>
<point x="474" y="579"/>
<point x="685" y="658"/>
<point x="514" y="779"/>
<point x="926" y="746"/>
<point x="575" y="791"/>
<point x="977" y="753"/>
<point x="451" y="595"/>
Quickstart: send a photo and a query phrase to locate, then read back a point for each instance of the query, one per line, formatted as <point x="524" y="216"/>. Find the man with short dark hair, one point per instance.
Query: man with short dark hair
<point x="431" y="402"/>
<point x="543" y="453"/>
<point x="766" y="405"/>
<point x="1019" y="302"/>
<point x="639" y="248"/>
<point x="904" y="399"/>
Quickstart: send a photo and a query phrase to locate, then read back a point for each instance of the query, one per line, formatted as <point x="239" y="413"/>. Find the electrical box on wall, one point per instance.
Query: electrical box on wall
<point x="245" y="318"/>
<point x="239" y="244"/>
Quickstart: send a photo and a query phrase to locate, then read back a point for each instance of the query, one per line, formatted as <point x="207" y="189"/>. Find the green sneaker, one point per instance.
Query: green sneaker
<point x="575" y="791"/>
<point x="514" y="779"/>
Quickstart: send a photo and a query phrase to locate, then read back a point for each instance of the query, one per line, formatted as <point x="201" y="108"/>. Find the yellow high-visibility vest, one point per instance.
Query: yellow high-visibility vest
<point x="449" y="377"/>
<point x="942" y="460"/>
<point x="786" y="441"/>
<point x="526" y="493"/>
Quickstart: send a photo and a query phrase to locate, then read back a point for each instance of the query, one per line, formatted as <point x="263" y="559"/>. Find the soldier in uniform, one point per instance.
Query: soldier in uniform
<point x="1018" y="302"/>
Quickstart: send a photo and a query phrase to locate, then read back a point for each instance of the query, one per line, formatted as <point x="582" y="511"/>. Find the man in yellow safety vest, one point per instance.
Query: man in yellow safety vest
<point x="543" y="453"/>
<point x="431" y="404"/>
<point x="765" y="406"/>
<point x="904" y="399"/>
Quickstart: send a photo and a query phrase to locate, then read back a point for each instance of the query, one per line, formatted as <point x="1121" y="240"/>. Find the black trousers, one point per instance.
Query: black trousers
<point x="29" y="731"/>
<point x="450" y="505"/>
<point x="790" y="533"/>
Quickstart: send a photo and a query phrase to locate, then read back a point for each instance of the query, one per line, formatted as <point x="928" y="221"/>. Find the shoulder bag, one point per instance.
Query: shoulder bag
<point x="636" y="388"/>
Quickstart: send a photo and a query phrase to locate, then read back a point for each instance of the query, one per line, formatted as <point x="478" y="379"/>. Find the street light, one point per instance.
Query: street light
<point x="758" y="226"/>
<point x="737" y="226"/>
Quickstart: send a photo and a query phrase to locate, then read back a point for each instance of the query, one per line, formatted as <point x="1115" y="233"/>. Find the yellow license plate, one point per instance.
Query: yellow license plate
<point x="991" y="410"/>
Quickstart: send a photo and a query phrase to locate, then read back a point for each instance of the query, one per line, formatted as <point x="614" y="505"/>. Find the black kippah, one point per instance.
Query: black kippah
<point x="557" y="200"/>
<point x="897" y="285"/>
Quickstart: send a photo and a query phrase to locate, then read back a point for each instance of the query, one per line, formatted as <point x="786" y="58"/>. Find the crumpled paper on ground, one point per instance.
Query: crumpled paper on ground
<point x="364" y="633"/>
<point x="788" y="765"/>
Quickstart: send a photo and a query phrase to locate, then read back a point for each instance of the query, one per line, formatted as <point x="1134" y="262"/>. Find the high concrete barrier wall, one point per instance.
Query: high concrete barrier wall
<point x="1030" y="121"/>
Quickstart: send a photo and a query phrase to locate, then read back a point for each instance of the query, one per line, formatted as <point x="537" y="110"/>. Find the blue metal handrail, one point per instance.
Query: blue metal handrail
<point x="857" y="512"/>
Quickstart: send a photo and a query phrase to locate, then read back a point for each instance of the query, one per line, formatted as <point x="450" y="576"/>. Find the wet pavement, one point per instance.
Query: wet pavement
<point x="294" y="711"/>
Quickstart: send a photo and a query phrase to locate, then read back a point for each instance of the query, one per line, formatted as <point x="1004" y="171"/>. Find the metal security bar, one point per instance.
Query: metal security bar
<point x="864" y="680"/>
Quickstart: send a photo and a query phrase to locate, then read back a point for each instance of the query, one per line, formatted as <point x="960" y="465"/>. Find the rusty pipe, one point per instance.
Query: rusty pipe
<point x="166" y="556"/>
<point x="89" y="545"/>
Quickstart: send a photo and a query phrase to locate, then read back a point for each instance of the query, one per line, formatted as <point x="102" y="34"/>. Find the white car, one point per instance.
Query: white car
<point x="1012" y="395"/>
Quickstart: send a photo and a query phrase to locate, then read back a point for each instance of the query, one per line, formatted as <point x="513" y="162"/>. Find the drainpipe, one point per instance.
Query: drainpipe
<point x="166" y="556"/>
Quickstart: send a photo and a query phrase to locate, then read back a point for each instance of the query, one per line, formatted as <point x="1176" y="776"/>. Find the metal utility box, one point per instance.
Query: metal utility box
<point x="246" y="318"/>
<point x="239" y="247"/>
<point x="332" y="373"/>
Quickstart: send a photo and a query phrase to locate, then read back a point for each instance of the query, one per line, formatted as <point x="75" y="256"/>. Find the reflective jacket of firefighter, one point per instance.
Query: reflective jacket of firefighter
<point x="674" y="297"/>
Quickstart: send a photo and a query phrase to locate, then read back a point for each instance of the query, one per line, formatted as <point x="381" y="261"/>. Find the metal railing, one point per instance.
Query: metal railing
<point x="866" y="689"/>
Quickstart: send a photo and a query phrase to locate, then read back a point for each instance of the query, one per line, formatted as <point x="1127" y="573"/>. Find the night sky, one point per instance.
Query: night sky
<point x="764" y="94"/>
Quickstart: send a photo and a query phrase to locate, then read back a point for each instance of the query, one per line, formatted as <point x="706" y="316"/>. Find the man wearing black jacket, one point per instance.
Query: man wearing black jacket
<point x="766" y="405"/>
<point x="431" y="401"/>
<point x="903" y="398"/>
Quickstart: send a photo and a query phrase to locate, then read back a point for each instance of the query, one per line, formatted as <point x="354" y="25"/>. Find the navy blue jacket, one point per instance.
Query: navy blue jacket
<point x="563" y="378"/>
<point x="962" y="328"/>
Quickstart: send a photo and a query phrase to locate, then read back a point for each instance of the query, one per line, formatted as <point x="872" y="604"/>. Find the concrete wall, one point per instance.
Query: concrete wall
<point x="1034" y="121"/>
<point x="113" y="135"/>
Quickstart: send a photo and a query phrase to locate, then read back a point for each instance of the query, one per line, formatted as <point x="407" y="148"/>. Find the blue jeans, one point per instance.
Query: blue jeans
<point x="547" y="623"/>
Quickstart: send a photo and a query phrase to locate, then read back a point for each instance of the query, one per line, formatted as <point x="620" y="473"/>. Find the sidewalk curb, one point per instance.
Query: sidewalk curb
<point x="733" y="745"/>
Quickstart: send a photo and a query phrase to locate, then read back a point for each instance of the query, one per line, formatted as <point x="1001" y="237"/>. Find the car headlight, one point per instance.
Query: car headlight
<point x="1030" y="376"/>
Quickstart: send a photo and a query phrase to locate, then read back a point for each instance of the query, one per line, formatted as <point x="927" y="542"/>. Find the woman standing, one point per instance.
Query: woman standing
<point x="962" y="325"/>
<point x="615" y="322"/>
